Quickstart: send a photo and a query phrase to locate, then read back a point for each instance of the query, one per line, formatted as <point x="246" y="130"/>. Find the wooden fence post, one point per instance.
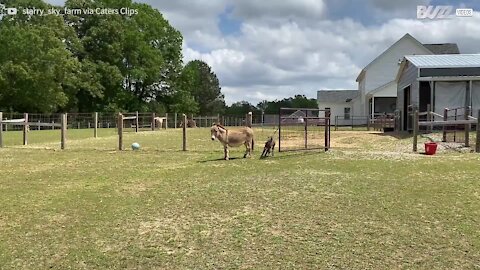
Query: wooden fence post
<point x="153" y="122"/>
<point x="445" y="118"/>
<point x="477" y="143"/>
<point x="467" y="127"/>
<point x="120" y="131"/>
<point x="136" y="121"/>
<point x="175" y="121"/>
<point x="25" y="129"/>
<point x="95" y="126"/>
<point x="415" y="129"/>
<point x="184" y="132"/>
<point x="166" y="121"/>
<point x="1" y="129"/>
<point x="64" y="132"/>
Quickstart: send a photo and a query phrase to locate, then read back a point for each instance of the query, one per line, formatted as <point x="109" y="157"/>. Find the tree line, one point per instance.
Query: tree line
<point x="86" y="63"/>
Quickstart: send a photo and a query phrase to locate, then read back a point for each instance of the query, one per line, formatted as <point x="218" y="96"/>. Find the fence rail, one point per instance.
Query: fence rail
<point x="455" y="125"/>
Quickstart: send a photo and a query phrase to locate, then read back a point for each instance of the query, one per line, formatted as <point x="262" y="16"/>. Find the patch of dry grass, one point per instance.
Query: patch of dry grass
<point x="368" y="203"/>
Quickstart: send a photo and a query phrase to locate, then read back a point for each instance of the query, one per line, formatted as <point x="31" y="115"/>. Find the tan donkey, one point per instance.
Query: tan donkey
<point x="233" y="138"/>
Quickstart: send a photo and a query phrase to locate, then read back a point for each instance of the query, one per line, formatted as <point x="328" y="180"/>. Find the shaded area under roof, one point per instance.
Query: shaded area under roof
<point x="337" y="95"/>
<point x="445" y="60"/>
<point x="443" y="48"/>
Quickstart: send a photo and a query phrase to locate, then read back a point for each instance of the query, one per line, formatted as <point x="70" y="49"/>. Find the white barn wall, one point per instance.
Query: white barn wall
<point x="385" y="68"/>
<point x="389" y="91"/>
<point x="337" y="109"/>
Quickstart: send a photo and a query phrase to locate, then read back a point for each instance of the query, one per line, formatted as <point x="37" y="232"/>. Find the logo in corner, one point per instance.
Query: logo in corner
<point x="434" y="12"/>
<point x="2" y="11"/>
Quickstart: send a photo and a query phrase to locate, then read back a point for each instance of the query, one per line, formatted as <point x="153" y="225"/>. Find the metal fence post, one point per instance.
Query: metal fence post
<point x="467" y="127"/>
<point x="306" y="131"/>
<point x="279" y="130"/>
<point x="184" y="129"/>
<point x="327" y="130"/>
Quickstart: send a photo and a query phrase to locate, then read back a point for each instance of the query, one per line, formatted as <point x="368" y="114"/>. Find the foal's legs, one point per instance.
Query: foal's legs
<point x="248" y="150"/>
<point x="225" y="150"/>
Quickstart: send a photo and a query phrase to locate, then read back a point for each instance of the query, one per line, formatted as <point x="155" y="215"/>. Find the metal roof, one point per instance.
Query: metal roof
<point x="445" y="60"/>
<point x="443" y="48"/>
<point x="337" y="96"/>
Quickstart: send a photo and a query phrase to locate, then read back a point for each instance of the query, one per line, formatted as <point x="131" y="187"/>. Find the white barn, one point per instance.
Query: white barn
<point x="377" y="85"/>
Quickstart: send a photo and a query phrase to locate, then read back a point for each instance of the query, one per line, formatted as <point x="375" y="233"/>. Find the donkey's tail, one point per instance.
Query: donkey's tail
<point x="253" y="143"/>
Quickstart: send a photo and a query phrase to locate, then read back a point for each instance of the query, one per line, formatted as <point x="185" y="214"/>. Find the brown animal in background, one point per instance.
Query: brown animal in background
<point x="269" y="148"/>
<point x="190" y="124"/>
<point x="233" y="138"/>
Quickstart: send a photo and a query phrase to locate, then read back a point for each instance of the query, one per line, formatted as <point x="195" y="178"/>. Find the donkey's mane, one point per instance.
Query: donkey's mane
<point x="218" y="125"/>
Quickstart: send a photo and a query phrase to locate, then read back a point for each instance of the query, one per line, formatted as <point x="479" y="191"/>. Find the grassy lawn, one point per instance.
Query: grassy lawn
<point x="367" y="204"/>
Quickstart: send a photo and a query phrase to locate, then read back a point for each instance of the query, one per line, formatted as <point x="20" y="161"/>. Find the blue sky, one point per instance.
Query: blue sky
<point x="274" y="49"/>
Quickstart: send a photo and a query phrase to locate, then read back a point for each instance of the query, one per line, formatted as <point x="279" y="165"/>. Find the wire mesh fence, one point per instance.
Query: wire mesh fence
<point x="351" y="122"/>
<point x="303" y="129"/>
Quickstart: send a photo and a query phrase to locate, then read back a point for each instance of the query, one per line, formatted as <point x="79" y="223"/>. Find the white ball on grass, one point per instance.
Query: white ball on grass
<point x="135" y="146"/>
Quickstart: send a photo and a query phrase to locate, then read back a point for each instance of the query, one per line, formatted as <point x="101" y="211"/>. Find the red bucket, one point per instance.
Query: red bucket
<point x="430" y="148"/>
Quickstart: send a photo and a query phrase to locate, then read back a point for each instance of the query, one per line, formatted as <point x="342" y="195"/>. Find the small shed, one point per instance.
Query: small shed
<point x="438" y="82"/>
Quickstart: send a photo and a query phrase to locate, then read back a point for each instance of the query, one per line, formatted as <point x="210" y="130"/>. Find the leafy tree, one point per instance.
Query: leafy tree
<point x="263" y="105"/>
<point x="37" y="70"/>
<point x="138" y="58"/>
<point x="298" y="101"/>
<point x="91" y="63"/>
<point x="198" y="79"/>
<point x="241" y="108"/>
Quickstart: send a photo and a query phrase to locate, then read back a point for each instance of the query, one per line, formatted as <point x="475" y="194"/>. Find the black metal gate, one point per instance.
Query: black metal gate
<point x="303" y="129"/>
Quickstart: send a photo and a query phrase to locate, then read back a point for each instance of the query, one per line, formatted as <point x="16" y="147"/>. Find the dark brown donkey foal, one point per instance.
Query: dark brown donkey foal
<point x="269" y="148"/>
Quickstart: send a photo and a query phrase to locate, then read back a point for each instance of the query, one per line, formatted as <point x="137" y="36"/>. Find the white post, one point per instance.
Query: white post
<point x="95" y="130"/>
<point x="373" y="107"/>
<point x="63" y="131"/>
<point x="26" y="127"/>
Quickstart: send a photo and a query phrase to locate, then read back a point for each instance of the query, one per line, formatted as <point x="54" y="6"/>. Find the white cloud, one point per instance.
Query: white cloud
<point x="293" y="47"/>
<point x="283" y="60"/>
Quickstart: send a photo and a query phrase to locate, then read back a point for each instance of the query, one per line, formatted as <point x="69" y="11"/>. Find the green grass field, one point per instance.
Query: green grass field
<point x="369" y="203"/>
